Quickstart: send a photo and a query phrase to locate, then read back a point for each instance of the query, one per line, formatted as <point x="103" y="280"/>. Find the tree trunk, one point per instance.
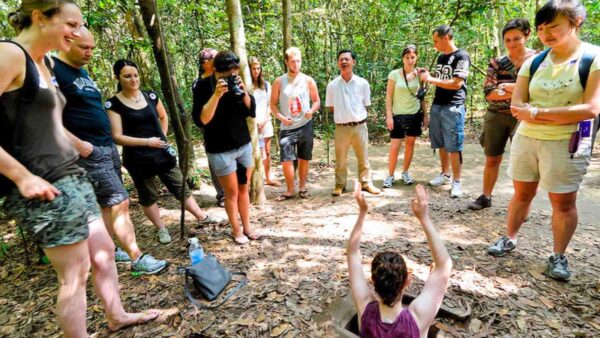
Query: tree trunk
<point x="174" y="103"/>
<point x="238" y="44"/>
<point x="287" y="24"/>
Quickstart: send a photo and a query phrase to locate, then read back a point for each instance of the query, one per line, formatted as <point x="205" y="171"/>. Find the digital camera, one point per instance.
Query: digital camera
<point x="232" y="85"/>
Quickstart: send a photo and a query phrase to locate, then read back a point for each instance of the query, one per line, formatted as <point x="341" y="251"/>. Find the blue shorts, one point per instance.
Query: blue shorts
<point x="447" y="127"/>
<point x="103" y="168"/>
<point x="226" y="163"/>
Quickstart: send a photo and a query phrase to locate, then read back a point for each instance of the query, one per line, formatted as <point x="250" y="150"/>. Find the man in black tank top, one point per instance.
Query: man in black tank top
<point x="89" y="129"/>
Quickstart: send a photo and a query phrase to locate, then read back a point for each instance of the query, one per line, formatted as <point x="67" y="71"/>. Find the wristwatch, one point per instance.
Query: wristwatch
<point x="534" y="112"/>
<point x="501" y="91"/>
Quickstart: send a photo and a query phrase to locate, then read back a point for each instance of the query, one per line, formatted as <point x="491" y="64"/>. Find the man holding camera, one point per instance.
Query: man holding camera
<point x="290" y="103"/>
<point x="88" y="128"/>
<point x="221" y="106"/>
<point x="447" y="115"/>
<point x="348" y="96"/>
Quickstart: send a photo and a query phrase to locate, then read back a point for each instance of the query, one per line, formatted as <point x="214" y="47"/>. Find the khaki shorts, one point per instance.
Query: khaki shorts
<point x="546" y="162"/>
<point x="497" y="129"/>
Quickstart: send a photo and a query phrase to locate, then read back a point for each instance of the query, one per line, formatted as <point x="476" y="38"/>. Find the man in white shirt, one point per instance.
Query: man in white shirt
<point x="348" y="96"/>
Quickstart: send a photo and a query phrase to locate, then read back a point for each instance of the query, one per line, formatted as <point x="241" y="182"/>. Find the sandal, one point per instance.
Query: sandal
<point x="303" y="193"/>
<point x="273" y="183"/>
<point x="240" y="240"/>
<point x="253" y="236"/>
<point x="284" y="197"/>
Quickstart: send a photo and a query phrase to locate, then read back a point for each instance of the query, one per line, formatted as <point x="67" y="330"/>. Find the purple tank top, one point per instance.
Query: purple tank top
<point x="371" y="325"/>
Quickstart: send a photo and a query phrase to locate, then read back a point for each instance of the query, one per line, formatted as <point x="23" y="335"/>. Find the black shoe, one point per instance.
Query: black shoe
<point x="481" y="202"/>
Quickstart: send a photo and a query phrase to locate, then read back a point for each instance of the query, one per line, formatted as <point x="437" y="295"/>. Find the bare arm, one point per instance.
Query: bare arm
<point x="162" y="117"/>
<point x="453" y="84"/>
<point x="361" y="294"/>
<point x="84" y="148"/>
<point x="116" y="127"/>
<point x="209" y="109"/>
<point x="427" y="304"/>
<point x="314" y="97"/>
<point x="275" y="104"/>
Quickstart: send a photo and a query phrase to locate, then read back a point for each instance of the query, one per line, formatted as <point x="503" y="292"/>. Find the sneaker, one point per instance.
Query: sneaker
<point x="558" y="267"/>
<point x="210" y="220"/>
<point x="481" y="202"/>
<point x="388" y="182"/>
<point x="502" y="246"/>
<point x="456" y="190"/>
<point x="121" y="256"/>
<point x="440" y="180"/>
<point x="338" y="190"/>
<point x="406" y="178"/>
<point x="163" y="236"/>
<point x="148" y="265"/>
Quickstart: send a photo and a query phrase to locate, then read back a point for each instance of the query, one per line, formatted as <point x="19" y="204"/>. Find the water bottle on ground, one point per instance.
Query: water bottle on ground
<point x="195" y="250"/>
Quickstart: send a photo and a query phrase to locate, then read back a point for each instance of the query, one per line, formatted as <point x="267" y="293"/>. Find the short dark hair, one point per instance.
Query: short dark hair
<point x="570" y="9"/>
<point x="444" y="30"/>
<point x="226" y="60"/>
<point x="389" y="273"/>
<point x="409" y="49"/>
<point x="343" y="51"/>
<point x="520" y="24"/>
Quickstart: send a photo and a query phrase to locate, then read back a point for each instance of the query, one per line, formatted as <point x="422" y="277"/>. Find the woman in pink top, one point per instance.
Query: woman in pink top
<point x="383" y="315"/>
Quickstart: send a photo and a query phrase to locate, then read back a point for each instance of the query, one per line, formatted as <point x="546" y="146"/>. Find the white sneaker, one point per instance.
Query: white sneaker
<point x="406" y="178"/>
<point x="163" y="236"/>
<point x="388" y="182"/>
<point x="440" y="180"/>
<point x="456" y="190"/>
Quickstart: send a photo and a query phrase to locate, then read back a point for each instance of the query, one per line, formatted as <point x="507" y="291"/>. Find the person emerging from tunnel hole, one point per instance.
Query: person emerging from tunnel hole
<point x="383" y="315"/>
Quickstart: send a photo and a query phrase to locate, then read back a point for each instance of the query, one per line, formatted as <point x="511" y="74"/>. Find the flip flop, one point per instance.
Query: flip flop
<point x="284" y="197"/>
<point x="303" y="193"/>
<point x="273" y="183"/>
<point x="253" y="236"/>
<point x="145" y="317"/>
<point x="238" y="241"/>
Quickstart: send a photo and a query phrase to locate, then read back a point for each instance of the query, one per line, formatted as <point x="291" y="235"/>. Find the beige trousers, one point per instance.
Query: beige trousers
<point x="358" y="138"/>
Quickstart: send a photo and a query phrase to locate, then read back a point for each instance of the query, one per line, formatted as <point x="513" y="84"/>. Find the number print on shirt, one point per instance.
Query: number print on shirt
<point x="443" y="72"/>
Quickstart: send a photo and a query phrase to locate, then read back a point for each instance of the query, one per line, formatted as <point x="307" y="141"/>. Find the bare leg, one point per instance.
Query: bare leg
<point x="409" y="150"/>
<point x="72" y="264"/>
<point x="395" y="145"/>
<point x="564" y="219"/>
<point x="153" y="213"/>
<point x="267" y="161"/>
<point x="120" y="225"/>
<point x="244" y="203"/>
<point x="456" y="165"/>
<point x="192" y="206"/>
<point x="302" y="173"/>
<point x="106" y="285"/>
<point x="490" y="174"/>
<point x="230" y="184"/>
<point x="288" y="173"/>
<point x="445" y="161"/>
<point x="519" y="206"/>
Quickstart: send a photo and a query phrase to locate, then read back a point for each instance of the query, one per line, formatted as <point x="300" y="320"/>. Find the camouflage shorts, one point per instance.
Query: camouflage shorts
<point x="59" y="222"/>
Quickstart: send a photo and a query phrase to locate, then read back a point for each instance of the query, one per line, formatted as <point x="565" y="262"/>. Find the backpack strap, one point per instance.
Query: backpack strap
<point x="537" y="61"/>
<point x="585" y="65"/>
<point x="229" y="294"/>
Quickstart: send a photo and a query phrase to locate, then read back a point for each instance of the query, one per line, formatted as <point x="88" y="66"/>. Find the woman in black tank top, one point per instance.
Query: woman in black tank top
<point x="139" y="123"/>
<point x="51" y="199"/>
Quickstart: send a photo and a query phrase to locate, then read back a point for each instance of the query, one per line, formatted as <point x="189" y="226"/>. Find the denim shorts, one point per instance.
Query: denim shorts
<point x="62" y="221"/>
<point x="447" y="127"/>
<point x="226" y="163"/>
<point x="103" y="168"/>
<point x="297" y="143"/>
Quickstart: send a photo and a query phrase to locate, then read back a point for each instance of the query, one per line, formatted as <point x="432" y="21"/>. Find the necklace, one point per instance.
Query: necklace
<point x="139" y="98"/>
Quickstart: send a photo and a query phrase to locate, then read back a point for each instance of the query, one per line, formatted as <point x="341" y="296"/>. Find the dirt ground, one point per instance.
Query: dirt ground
<point x="299" y="269"/>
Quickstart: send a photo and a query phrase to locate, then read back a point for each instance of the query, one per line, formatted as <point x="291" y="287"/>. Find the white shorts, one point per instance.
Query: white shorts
<point x="268" y="130"/>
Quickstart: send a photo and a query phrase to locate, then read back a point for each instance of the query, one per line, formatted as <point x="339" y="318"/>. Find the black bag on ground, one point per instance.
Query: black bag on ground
<point x="210" y="278"/>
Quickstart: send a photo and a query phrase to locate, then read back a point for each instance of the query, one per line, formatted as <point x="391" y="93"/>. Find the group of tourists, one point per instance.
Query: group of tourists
<point x="60" y="162"/>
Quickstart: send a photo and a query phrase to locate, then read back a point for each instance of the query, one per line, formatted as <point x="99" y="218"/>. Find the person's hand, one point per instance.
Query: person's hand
<point x="522" y="113"/>
<point x="35" y="187"/>
<point x="424" y="74"/>
<point x="360" y="199"/>
<point x="287" y="121"/>
<point x="261" y="126"/>
<point x="240" y="83"/>
<point x="420" y="203"/>
<point x="85" y="149"/>
<point x="221" y="88"/>
<point x="389" y="122"/>
<point x="425" y="121"/>
<point x="155" y="142"/>
<point x="309" y="115"/>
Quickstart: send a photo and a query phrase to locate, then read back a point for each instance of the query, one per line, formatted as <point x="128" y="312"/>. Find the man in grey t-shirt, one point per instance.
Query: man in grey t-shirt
<point x="290" y="102"/>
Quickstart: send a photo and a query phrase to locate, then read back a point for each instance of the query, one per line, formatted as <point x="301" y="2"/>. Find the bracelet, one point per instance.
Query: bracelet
<point x="534" y="112"/>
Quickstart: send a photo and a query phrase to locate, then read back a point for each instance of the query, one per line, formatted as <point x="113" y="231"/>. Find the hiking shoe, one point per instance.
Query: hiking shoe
<point x="338" y="191"/>
<point x="481" y="202"/>
<point x="148" y="265"/>
<point x="406" y="178"/>
<point x="368" y="187"/>
<point x="502" y="246"/>
<point x="121" y="256"/>
<point x="208" y="220"/>
<point x="440" y="180"/>
<point x="456" y="190"/>
<point x="221" y="202"/>
<point x="558" y="267"/>
<point x="163" y="236"/>
<point x="388" y="182"/>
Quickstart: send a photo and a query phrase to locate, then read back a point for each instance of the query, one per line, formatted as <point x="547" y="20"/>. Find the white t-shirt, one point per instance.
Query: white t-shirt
<point x="348" y="99"/>
<point x="262" y="98"/>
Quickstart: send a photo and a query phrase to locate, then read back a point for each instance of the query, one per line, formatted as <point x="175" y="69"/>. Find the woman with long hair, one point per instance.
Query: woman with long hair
<point x="139" y="123"/>
<point x="405" y="114"/>
<point x="51" y="199"/>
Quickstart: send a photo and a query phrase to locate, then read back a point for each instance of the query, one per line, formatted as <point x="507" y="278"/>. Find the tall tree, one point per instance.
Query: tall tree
<point x="170" y="89"/>
<point x="287" y="24"/>
<point x="238" y="44"/>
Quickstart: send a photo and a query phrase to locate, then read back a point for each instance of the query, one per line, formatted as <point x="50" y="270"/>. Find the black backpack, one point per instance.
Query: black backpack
<point x="585" y="64"/>
<point x="12" y="132"/>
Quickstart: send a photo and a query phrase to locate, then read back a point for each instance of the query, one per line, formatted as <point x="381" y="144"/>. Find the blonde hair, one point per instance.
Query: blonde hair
<point x="292" y="51"/>
<point x="21" y="18"/>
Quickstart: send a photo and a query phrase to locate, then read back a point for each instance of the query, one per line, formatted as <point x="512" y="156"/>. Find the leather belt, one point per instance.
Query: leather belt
<point x="351" y="124"/>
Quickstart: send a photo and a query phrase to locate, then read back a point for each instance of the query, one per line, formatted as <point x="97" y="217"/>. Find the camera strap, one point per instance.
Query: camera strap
<point x="407" y="86"/>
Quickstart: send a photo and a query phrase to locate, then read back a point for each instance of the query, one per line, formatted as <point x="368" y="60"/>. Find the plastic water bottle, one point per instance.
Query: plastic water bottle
<point x="196" y="251"/>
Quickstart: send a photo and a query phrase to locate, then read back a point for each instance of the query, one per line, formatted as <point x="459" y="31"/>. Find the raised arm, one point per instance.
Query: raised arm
<point x="116" y="127"/>
<point x="453" y="84"/>
<point x="427" y="304"/>
<point x="209" y="109"/>
<point x="361" y="294"/>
